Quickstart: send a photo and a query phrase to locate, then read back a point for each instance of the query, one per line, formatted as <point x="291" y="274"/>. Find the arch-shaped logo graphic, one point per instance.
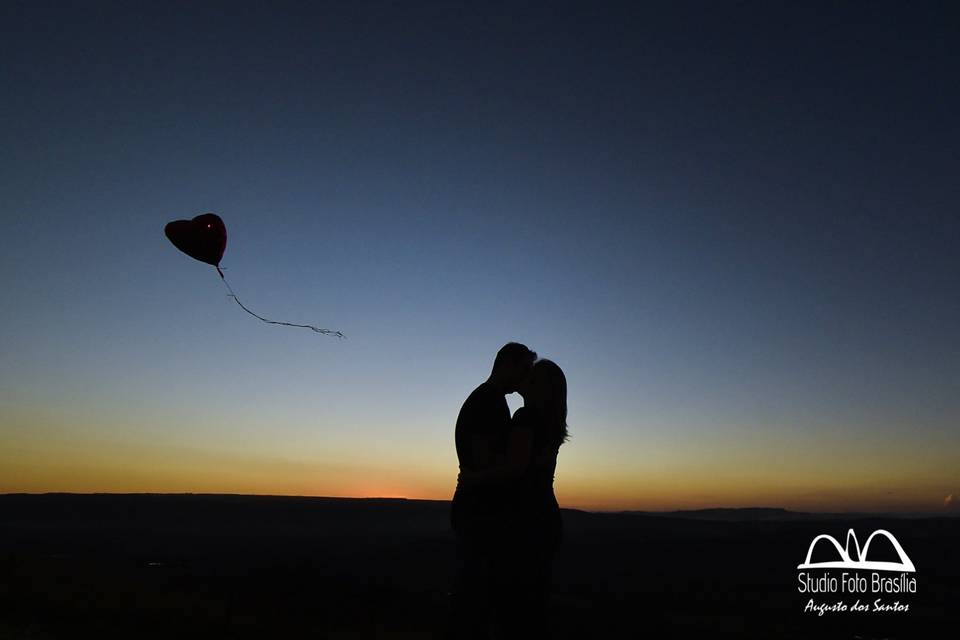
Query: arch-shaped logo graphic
<point x="849" y="561"/>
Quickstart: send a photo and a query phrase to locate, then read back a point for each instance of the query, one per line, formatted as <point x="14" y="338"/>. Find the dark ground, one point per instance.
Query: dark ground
<point x="223" y="566"/>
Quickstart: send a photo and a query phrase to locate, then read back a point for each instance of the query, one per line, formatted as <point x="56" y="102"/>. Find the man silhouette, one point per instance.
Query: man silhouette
<point x="482" y="430"/>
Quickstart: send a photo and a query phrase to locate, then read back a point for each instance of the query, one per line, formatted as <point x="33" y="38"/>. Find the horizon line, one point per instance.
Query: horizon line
<point x="785" y="510"/>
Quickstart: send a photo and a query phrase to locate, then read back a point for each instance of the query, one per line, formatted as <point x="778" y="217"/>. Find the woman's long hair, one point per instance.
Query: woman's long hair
<point x="548" y="388"/>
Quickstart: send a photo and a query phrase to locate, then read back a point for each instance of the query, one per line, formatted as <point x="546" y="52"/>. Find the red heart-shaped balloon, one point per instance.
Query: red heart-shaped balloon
<point x="203" y="238"/>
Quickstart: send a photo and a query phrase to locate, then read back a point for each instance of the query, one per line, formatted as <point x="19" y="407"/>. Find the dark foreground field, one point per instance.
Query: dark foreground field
<point x="221" y="566"/>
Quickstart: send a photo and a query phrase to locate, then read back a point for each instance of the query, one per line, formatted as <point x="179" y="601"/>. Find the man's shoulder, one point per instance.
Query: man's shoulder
<point x="481" y="400"/>
<point x="484" y="393"/>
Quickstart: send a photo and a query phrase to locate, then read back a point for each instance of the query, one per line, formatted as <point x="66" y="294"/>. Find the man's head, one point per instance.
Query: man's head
<point x="511" y="366"/>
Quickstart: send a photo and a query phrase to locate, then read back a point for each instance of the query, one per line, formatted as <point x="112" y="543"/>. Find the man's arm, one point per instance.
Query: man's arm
<point x="506" y="468"/>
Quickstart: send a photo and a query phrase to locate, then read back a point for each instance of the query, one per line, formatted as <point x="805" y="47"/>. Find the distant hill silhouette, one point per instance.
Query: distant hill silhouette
<point x="739" y="513"/>
<point x="735" y="514"/>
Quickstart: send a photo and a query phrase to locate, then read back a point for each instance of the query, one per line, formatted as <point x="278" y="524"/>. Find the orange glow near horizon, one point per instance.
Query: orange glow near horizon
<point x="38" y="456"/>
<point x="106" y="471"/>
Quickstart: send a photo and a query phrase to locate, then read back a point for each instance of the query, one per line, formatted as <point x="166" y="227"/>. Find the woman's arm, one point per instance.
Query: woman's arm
<point x="505" y="468"/>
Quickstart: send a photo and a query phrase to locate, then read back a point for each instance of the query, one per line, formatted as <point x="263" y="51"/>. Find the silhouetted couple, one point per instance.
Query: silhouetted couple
<point x="504" y="512"/>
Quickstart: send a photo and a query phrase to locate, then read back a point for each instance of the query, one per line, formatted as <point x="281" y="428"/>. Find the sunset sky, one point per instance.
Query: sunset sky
<point x="735" y="227"/>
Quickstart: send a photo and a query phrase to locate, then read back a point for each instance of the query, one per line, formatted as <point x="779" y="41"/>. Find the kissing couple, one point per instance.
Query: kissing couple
<point x="504" y="513"/>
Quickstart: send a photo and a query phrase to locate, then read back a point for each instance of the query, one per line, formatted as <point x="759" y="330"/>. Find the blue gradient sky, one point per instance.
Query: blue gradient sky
<point x="735" y="228"/>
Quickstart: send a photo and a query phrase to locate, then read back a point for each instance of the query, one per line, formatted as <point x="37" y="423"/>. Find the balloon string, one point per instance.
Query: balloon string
<point x="326" y="332"/>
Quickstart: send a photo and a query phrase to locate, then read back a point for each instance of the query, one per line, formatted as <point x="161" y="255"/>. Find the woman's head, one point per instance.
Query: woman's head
<point x="545" y="391"/>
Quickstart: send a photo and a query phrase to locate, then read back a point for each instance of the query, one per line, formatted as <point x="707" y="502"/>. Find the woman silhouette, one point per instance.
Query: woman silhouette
<point x="530" y="527"/>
